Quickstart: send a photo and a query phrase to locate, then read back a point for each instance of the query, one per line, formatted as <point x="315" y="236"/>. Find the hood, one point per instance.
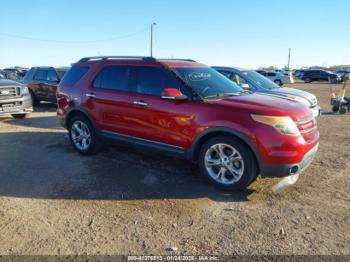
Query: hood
<point x="6" y="82"/>
<point x="295" y="92"/>
<point x="264" y="105"/>
<point x="286" y="91"/>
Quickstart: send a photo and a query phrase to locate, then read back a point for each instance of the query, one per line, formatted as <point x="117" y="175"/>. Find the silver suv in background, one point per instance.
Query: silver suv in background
<point x="15" y="99"/>
<point x="277" y="77"/>
<point x="256" y="83"/>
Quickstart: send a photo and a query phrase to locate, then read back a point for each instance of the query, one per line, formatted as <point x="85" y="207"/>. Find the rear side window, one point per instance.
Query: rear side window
<point x="152" y="80"/>
<point x="74" y="75"/>
<point x="41" y="74"/>
<point x="271" y="74"/>
<point x="113" y="77"/>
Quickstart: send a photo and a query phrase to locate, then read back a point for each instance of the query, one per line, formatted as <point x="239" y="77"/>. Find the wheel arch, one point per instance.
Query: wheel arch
<point x="213" y="132"/>
<point x="78" y="112"/>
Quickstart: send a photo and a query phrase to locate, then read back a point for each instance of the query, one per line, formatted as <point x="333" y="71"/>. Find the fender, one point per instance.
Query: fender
<point x="81" y="111"/>
<point x="191" y="154"/>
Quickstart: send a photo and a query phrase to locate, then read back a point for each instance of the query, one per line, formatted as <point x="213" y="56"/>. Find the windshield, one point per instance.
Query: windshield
<point x="260" y="80"/>
<point x="207" y="82"/>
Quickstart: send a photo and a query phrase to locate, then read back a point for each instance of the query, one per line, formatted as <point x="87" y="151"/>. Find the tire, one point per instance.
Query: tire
<point x="342" y="110"/>
<point x="335" y="109"/>
<point x="216" y="169"/>
<point x="278" y="82"/>
<point x="35" y="100"/>
<point x="88" y="133"/>
<point x="307" y="80"/>
<point x="19" y="116"/>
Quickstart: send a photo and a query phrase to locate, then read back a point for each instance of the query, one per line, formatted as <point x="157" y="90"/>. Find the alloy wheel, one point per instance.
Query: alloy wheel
<point x="224" y="164"/>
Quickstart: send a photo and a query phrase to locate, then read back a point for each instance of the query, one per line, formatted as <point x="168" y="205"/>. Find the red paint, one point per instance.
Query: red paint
<point x="179" y="123"/>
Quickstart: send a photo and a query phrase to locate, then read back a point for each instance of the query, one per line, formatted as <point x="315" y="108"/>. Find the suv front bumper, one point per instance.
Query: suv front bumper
<point x="274" y="170"/>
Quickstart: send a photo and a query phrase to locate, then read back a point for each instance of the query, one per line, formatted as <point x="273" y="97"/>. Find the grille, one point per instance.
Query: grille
<point x="9" y="92"/>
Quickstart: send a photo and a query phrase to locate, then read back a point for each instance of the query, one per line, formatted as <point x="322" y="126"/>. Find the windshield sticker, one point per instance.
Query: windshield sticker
<point x="198" y="76"/>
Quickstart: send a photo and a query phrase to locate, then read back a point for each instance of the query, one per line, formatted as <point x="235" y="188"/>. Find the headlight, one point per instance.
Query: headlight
<point x="284" y="124"/>
<point x="24" y="90"/>
<point x="300" y="100"/>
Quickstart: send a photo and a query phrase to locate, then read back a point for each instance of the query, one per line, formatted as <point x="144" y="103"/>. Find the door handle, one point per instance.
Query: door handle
<point x="91" y="95"/>
<point x="140" y="103"/>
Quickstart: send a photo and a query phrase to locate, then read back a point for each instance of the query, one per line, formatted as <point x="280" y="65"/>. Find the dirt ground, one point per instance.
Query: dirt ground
<point x="125" y="201"/>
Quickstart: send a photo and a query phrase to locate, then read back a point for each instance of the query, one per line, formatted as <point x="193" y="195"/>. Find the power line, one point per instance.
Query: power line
<point x="73" y="42"/>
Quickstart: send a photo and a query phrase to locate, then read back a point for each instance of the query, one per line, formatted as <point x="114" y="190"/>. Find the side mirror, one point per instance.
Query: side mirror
<point x="245" y="86"/>
<point x="173" y="94"/>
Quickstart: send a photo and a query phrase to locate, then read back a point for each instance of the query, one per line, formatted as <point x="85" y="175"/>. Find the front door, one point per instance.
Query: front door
<point x="156" y="119"/>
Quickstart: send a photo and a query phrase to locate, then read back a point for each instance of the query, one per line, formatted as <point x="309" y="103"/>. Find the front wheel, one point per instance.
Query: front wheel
<point x="307" y="80"/>
<point x="335" y="109"/>
<point x="227" y="163"/>
<point x="82" y="135"/>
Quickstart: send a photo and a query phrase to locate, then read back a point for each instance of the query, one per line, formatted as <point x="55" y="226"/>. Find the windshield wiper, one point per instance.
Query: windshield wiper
<point x="217" y="95"/>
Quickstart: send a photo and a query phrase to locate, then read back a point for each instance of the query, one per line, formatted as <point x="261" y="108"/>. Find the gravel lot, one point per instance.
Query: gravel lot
<point x="125" y="201"/>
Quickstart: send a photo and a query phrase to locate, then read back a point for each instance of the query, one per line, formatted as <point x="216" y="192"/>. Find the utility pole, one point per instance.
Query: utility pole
<point x="152" y="25"/>
<point x="289" y="60"/>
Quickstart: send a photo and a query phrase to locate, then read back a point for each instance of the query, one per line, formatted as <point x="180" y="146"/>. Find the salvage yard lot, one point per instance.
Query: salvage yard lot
<point x="126" y="201"/>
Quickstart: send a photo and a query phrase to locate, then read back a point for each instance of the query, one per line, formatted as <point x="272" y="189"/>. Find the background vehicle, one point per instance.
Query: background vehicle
<point x="255" y="82"/>
<point x="187" y="109"/>
<point x="277" y="78"/>
<point x="319" y="75"/>
<point x="42" y="83"/>
<point x="14" y="99"/>
<point x="299" y="73"/>
<point x="2" y="74"/>
<point x="342" y="74"/>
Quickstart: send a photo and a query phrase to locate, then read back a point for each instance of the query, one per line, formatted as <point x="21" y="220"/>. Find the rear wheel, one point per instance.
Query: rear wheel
<point x="227" y="163"/>
<point x="342" y="110"/>
<point x="82" y="135"/>
<point x="278" y="82"/>
<point x="19" y="116"/>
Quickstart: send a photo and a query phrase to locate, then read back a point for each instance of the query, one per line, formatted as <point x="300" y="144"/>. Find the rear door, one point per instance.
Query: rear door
<point x="107" y="99"/>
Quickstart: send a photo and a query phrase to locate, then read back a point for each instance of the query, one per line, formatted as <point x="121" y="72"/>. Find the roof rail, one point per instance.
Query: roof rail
<point x="92" y="58"/>
<point x="179" y="59"/>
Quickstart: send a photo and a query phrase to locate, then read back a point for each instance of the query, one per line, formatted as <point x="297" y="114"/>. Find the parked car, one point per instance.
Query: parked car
<point x="254" y="82"/>
<point x="277" y="78"/>
<point x="261" y="71"/>
<point x="342" y="73"/>
<point x="2" y="74"/>
<point x="187" y="109"/>
<point x="282" y="71"/>
<point x="14" y="99"/>
<point x="299" y="73"/>
<point x="42" y="83"/>
<point x="319" y="75"/>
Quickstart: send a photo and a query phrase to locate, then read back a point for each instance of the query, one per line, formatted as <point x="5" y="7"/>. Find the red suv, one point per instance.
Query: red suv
<point x="187" y="109"/>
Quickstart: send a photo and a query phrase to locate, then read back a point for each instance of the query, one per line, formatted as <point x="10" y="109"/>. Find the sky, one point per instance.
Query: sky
<point x="241" y="33"/>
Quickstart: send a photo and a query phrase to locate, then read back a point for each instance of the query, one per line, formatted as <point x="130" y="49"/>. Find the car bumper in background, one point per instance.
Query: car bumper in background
<point x="21" y="105"/>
